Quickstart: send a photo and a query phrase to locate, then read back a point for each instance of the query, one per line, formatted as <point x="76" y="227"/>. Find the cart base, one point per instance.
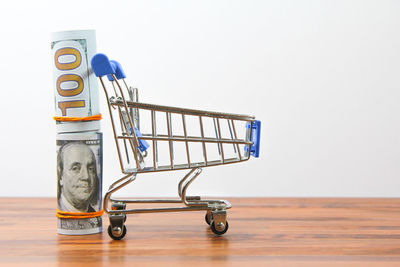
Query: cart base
<point x="215" y="209"/>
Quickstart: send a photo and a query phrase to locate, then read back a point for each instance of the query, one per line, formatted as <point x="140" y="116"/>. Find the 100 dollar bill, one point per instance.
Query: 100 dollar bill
<point x="79" y="181"/>
<point x="75" y="85"/>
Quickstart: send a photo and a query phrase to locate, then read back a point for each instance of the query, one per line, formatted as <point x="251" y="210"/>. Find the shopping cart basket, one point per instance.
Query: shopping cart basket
<point x="167" y="138"/>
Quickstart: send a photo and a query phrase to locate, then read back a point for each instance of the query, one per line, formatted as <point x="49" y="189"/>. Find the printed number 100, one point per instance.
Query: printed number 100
<point x="69" y="77"/>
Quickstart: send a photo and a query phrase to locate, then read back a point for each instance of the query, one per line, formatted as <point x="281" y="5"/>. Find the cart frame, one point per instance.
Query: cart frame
<point x="128" y="112"/>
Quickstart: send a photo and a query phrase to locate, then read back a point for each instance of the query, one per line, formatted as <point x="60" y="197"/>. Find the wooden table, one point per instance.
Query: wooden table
<point x="275" y="231"/>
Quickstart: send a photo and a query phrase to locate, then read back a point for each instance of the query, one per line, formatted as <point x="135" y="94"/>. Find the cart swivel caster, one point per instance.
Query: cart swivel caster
<point x="117" y="233"/>
<point x="119" y="206"/>
<point x="208" y="218"/>
<point x="219" y="228"/>
<point x="219" y="224"/>
<point x="117" y="228"/>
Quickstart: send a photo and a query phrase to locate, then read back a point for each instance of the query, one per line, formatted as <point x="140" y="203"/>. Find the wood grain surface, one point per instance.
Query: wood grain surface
<point x="262" y="232"/>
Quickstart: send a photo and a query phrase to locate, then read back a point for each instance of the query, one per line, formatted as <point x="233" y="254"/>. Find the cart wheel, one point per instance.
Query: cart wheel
<point x="208" y="219"/>
<point x="217" y="229"/>
<point x="115" y="237"/>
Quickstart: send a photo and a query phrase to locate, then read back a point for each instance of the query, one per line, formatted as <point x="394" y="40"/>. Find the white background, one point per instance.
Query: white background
<point x="322" y="76"/>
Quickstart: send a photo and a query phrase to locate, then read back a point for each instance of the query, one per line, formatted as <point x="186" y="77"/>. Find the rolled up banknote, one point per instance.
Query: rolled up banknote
<point x="75" y="85"/>
<point x="79" y="181"/>
<point x="79" y="142"/>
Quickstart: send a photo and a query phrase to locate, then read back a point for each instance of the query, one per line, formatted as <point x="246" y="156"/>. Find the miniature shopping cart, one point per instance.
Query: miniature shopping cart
<point x="166" y="138"/>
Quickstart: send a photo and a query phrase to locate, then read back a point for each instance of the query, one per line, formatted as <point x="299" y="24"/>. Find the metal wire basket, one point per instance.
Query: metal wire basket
<point x="154" y="138"/>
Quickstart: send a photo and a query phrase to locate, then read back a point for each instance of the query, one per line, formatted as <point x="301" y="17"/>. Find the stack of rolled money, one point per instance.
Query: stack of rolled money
<point x="79" y="140"/>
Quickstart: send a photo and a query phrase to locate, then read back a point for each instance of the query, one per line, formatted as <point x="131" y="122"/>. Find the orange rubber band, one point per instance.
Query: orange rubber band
<point x="78" y="215"/>
<point x="90" y="118"/>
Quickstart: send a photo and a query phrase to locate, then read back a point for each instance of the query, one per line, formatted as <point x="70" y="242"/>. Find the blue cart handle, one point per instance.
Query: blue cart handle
<point x="119" y="72"/>
<point x="255" y="138"/>
<point x="101" y="66"/>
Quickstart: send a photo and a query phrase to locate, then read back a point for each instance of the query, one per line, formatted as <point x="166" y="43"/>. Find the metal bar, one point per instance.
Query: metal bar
<point x="225" y="203"/>
<point x="159" y="201"/>
<point x="234" y="134"/>
<point x="131" y="97"/>
<point x="171" y="148"/>
<point x="183" y="180"/>
<point x="248" y="138"/>
<point x="130" y="139"/>
<point x="185" y="166"/>
<point x="135" y="111"/>
<point x="230" y="131"/>
<point x="120" y="181"/>
<point x="123" y="133"/>
<point x="185" y="187"/>
<point x="115" y="91"/>
<point x="220" y="144"/>
<point x="185" y="136"/>
<point x="135" y="143"/>
<point x="136" y="92"/>
<point x="216" y="135"/>
<point x="154" y="133"/>
<point x="204" y="144"/>
<point x="180" y="138"/>
<point x="126" y="86"/>
<point x="113" y="125"/>
<point x="149" y="210"/>
<point x="127" y="129"/>
<point x="134" y="97"/>
<point x="112" y="189"/>
<point x="148" y="200"/>
<point x="185" y="111"/>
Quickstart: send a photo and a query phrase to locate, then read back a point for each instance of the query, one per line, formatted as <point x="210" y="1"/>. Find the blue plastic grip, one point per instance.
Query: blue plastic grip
<point x="143" y="145"/>
<point x="119" y="72"/>
<point x="255" y="138"/>
<point x="101" y="65"/>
